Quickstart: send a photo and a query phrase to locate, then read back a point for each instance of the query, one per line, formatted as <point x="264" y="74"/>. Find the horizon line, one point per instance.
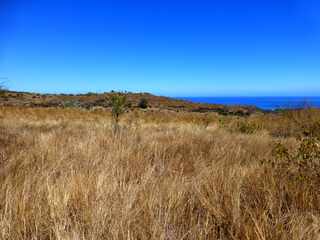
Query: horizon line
<point x="165" y="95"/>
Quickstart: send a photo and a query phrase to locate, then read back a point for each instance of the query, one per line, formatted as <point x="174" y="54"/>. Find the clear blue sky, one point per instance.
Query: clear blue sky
<point x="167" y="47"/>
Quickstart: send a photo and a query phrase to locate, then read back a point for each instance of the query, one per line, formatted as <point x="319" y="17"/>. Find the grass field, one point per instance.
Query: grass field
<point x="65" y="174"/>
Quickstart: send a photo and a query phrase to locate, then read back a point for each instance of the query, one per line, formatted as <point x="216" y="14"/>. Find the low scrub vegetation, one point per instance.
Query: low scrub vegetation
<point x="143" y="103"/>
<point x="165" y="175"/>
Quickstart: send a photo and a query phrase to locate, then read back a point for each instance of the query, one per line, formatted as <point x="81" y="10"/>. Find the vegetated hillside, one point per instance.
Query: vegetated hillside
<point x="65" y="174"/>
<point x="92" y="100"/>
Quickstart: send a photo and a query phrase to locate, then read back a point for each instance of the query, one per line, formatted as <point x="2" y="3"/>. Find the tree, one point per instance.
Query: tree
<point x="143" y="103"/>
<point x="118" y="105"/>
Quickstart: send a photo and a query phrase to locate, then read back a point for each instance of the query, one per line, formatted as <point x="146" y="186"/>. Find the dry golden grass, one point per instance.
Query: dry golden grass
<point x="65" y="175"/>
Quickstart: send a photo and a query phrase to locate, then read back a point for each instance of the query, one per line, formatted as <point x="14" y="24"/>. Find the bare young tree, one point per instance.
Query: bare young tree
<point x="118" y="104"/>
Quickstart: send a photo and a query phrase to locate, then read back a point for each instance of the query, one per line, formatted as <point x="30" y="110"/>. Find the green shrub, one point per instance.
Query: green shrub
<point x="246" y="127"/>
<point x="118" y="105"/>
<point x="312" y="130"/>
<point x="143" y="103"/>
<point x="279" y="151"/>
<point x="71" y="104"/>
<point x="91" y="94"/>
<point x="301" y="164"/>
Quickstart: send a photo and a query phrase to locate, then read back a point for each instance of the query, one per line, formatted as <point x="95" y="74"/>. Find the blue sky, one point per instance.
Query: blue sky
<point x="174" y="48"/>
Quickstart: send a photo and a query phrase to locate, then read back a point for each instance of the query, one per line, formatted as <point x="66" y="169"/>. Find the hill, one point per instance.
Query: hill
<point x="93" y="100"/>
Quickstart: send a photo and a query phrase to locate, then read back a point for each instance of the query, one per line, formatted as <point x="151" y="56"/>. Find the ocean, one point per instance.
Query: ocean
<point x="265" y="103"/>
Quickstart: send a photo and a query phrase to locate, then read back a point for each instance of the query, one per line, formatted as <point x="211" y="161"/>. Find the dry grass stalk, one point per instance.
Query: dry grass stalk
<point x="64" y="176"/>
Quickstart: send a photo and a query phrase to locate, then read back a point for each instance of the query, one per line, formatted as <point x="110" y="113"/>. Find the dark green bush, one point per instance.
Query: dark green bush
<point x="91" y="94"/>
<point x="143" y="103"/>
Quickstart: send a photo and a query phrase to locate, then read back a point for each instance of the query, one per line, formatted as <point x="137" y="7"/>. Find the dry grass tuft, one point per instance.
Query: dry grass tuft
<point x="65" y="175"/>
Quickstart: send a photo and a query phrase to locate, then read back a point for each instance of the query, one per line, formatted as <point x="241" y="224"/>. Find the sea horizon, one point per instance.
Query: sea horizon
<point x="262" y="102"/>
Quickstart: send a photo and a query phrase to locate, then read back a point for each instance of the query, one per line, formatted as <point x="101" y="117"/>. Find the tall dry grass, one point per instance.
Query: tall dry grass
<point x="64" y="174"/>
